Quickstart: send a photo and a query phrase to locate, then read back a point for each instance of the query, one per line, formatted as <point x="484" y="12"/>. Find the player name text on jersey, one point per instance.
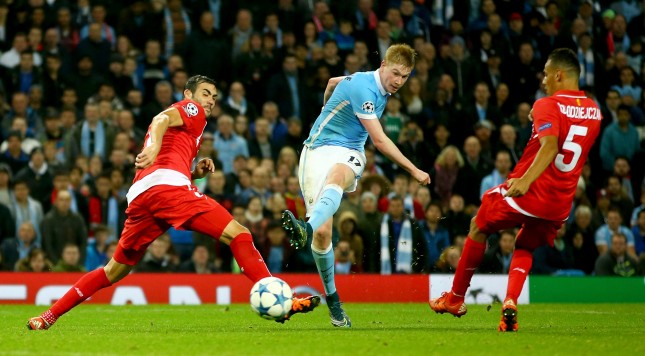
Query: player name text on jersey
<point x="579" y="112"/>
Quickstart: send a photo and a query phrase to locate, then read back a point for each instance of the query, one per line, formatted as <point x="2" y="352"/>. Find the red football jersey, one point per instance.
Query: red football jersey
<point x="575" y="120"/>
<point x="180" y="144"/>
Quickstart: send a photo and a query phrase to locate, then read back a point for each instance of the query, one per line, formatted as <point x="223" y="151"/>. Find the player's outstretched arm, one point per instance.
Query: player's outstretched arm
<point x="158" y="127"/>
<point x="389" y="149"/>
<point x="331" y="85"/>
<point x="544" y="157"/>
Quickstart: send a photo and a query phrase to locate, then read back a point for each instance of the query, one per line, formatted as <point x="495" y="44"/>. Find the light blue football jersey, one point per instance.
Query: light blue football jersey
<point x="359" y="96"/>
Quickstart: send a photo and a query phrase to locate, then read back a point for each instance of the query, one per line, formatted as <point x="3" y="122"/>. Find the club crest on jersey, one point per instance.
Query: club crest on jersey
<point x="191" y="109"/>
<point x="368" y="107"/>
<point x="544" y="127"/>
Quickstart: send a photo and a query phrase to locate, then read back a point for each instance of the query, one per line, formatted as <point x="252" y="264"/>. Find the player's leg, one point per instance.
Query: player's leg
<point x="325" y="173"/>
<point x="494" y="214"/>
<point x="323" y="252"/>
<point x="339" y="178"/>
<point x="133" y="243"/>
<point x="219" y="224"/>
<point x="533" y="234"/>
<point x="471" y="257"/>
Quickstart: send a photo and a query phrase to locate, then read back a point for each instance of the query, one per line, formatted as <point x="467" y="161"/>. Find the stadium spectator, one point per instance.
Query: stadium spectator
<point x="639" y="234"/>
<point x="447" y="167"/>
<point x="448" y="260"/>
<point x="524" y="81"/>
<point x="262" y="145"/>
<point x="91" y="137"/>
<point x="619" y="199"/>
<point x="500" y="173"/>
<point x="462" y="68"/>
<point x="97" y="48"/>
<point x="160" y="257"/>
<point x="557" y="259"/>
<point x="259" y="187"/>
<point x="286" y="89"/>
<point x="98" y="16"/>
<point x="345" y="258"/>
<point x="11" y="58"/>
<point x="481" y="109"/>
<point x="14" y="157"/>
<point x="70" y="260"/>
<point x="635" y="213"/>
<point x="620" y="138"/>
<point x="162" y="100"/>
<point x="616" y="261"/>
<point x="16" y="248"/>
<point x="498" y="258"/>
<point x="25" y="208"/>
<point x="470" y="175"/>
<point x="402" y="245"/>
<point x="24" y="75"/>
<point x="96" y="251"/>
<point x="203" y="41"/>
<point x="228" y="144"/>
<point x="200" y="262"/>
<point x="105" y="208"/>
<point x="36" y="261"/>
<point x="603" y="236"/>
<point x="348" y="231"/>
<point x="61" y="226"/>
<point x="436" y="236"/>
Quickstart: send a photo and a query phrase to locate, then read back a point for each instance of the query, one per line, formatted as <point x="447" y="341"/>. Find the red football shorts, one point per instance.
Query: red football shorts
<point x="154" y="211"/>
<point x="496" y="214"/>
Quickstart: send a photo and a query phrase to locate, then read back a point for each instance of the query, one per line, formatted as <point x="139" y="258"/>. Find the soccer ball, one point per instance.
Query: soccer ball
<point x="271" y="298"/>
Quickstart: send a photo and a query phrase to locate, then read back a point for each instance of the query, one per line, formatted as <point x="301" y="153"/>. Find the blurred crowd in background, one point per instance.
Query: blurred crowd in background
<point x="81" y="80"/>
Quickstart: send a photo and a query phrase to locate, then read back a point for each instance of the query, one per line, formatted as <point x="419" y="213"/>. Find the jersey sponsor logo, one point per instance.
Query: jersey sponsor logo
<point x="544" y="127"/>
<point x="191" y="109"/>
<point x="368" y="107"/>
<point x="578" y="112"/>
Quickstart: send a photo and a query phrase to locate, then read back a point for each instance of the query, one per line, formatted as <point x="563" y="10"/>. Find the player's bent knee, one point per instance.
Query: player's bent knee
<point x="115" y="271"/>
<point x="232" y="230"/>
<point x="474" y="233"/>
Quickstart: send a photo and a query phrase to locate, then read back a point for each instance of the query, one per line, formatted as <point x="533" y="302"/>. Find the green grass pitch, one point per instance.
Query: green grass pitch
<point x="379" y="329"/>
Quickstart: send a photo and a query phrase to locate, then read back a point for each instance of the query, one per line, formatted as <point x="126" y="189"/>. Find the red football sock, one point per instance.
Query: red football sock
<point x="520" y="267"/>
<point x="248" y="258"/>
<point x="471" y="258"/>
<point x="84" y="288"/>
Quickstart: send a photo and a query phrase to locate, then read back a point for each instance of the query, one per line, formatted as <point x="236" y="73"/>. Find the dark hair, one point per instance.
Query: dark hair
<point x="624" y="107"/>
<point x="566" y="59"/>
<point x="195" y="80"/>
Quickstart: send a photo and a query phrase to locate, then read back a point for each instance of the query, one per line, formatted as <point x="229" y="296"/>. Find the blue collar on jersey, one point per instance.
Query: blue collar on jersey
<point x="377" y="77"/>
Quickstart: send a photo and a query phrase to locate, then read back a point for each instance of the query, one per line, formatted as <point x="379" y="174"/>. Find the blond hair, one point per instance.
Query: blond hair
<point x="441" y="158"/>
<point x="400" y="54"/>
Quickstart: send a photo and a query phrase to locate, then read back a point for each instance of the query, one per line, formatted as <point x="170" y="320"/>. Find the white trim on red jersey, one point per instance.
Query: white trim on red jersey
<point x="162" y="176"/>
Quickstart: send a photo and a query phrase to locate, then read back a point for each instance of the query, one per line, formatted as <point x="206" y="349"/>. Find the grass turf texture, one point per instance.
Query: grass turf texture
<point x="410" y="329"/>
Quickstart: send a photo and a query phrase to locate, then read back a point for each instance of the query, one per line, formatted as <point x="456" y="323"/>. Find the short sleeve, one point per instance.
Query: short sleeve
<point x="192" y="115"/>
<point x="546" y="118"/>
<point x="363" y="100"/>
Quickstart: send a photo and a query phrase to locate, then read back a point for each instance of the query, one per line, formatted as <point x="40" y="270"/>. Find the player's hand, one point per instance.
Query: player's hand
<point x="531" y="115"/>
<point x="421" y="177"/>
<point x="516" y="187"/>
<point x="147" y="156"/>
<point x="204" y="166"/>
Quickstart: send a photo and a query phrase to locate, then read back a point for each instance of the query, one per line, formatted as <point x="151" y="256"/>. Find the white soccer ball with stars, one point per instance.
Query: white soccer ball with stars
<point x="271" y="298"/>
